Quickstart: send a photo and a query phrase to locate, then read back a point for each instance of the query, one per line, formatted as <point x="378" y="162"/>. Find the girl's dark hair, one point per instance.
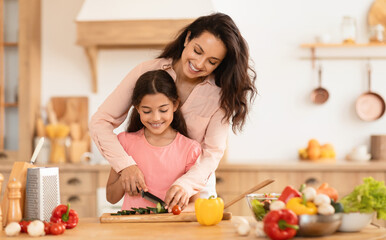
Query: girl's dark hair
<point x="234" y="75"/>
<point x="152" y="82"/>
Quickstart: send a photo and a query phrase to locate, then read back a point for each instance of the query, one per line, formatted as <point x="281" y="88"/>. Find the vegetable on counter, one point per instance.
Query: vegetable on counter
<point x="259" y="209"/>
<point x="288" y="193"/>
<point x="24" y="224"/>
<point x="281" y="224"/>
<point x="63" y="214"/>
<point x="329" y="191"/>
<point x="12" y="229"/>
<point x="36" y="228"/>
<point x="176" y="210"/>
<point x="337" y="206"/>
<point x="209" y="211"/>
<point x="309" y="193"/>
<point x="158" y="209"/>
<point x="366" y="198"/>
<point x="298" y="206"/>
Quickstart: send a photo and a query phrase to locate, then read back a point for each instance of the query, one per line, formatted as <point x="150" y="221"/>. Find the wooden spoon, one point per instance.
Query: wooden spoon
<point x="254" y="189"/>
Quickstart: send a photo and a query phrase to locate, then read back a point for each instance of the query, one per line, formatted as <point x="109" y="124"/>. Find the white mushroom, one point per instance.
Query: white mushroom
<point x="309" y="193"/>
<point x="322" y="198"/>
<point x="326" y="209"/>
<point x="276" y="205"/>
<point x="12" y="229"/>
<point x="259" y="230"/>
<point x="36" y="228"/>
<point x="243" y="229"/>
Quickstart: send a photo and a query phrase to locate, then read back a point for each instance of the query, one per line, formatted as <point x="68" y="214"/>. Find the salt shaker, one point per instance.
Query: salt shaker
<point x="348" y="29"/>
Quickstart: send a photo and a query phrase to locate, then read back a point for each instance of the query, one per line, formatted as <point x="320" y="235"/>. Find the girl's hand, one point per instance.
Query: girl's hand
<point x="132" y="179"/>
<point x="176" y="195"/>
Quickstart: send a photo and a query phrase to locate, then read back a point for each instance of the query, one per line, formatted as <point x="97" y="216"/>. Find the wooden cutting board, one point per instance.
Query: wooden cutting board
<point x="70" y="110"/>
<point x="148" y="218"/>
<point x="73" y="111"/>
<point x="377" y="14"/>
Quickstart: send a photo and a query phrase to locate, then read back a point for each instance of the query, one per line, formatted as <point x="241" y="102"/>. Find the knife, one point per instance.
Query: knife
<point x="152" y="198"/>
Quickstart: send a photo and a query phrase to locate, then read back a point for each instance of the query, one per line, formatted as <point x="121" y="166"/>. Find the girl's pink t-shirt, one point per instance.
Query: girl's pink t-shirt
<point x="161" y="166"/>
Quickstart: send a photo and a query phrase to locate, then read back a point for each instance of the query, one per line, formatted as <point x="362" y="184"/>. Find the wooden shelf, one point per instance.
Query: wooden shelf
<point x="342" y="45"/>
<point x="11" y="104"/>
<point x="314" y="46"/>
<point x="10" y="44"/>
<point x="152" y="33"/>
<point x="28" y="44"/>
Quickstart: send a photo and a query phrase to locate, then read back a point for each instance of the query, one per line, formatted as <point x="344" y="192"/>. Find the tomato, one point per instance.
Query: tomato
<point x="176" y="210"/>
<point x="24" y="225"/>
<point x="57" y="228"/>
<point x="47" y="226"/>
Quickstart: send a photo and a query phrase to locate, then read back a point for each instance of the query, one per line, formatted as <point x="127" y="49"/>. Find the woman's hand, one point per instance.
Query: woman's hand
<point x="132" y="179"/>
<point x="176" y="195"/>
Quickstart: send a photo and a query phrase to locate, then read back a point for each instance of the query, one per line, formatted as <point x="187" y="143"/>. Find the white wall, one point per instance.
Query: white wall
<point x="283" y="118"/>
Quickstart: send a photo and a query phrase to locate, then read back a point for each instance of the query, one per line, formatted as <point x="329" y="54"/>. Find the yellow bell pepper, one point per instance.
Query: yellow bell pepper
<point x="209" y="211"/>
<point x="298" y="206"/>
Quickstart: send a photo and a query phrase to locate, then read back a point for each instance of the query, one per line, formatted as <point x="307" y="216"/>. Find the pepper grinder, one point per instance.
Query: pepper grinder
<point x="1" y="214"/>
<point x="14" y="195"/>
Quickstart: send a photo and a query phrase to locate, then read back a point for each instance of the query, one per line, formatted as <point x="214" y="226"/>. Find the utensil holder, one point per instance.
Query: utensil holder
<point x="378" y="147"/>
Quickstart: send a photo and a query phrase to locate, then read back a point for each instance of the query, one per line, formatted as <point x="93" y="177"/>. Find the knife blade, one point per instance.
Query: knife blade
<point x="152" y="198"/>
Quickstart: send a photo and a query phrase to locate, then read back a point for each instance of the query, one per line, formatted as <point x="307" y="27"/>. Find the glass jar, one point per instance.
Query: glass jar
<point x="376" y="33"/>
<point x="349" y="29"/>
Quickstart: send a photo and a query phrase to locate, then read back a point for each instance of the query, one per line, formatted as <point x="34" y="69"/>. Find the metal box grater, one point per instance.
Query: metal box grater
<point x="42" y="192"/>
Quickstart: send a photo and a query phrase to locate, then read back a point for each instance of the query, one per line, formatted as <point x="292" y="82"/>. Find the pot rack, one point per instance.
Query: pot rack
<point x="314" y="46"/>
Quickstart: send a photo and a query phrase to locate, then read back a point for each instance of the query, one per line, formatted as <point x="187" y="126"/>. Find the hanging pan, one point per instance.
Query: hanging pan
<point x="319" y="95"/>
<point x="370" y="106"/>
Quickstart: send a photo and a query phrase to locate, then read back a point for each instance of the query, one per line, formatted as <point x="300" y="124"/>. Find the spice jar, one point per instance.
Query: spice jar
<point x="348" y="29"/>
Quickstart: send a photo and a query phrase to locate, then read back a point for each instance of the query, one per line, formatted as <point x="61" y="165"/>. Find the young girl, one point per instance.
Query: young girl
<point x="156" y="138"/>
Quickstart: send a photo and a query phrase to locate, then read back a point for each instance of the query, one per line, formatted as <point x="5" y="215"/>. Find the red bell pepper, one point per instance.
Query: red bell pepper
<point x="288" y="193"/>
<point x="280" y="224"/>
<point x="63" y="214"/>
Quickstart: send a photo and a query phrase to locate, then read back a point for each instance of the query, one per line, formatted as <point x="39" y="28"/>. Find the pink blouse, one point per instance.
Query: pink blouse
<point x="202" y="113"/>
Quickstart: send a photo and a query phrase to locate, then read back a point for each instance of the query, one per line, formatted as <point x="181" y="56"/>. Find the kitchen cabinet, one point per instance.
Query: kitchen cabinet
<point x="314" y="46"/>
<point x="20" y="76"/>
<point x="79" y="183"/>
<point x="79" y="189"/>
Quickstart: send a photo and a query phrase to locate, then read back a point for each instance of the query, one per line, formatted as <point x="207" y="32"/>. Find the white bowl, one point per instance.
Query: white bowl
<point x="354" y="222"/>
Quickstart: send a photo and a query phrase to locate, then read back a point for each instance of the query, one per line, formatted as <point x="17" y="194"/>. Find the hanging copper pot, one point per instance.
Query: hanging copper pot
<point x="370" y="106"/>
<point x="319" y="95"/>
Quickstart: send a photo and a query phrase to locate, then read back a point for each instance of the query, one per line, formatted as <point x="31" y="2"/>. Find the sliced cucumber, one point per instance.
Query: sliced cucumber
<point x="160" y="208"/>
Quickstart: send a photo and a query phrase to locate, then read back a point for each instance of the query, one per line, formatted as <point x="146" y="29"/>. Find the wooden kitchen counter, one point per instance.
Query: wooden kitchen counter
<point x="91" y="228"/>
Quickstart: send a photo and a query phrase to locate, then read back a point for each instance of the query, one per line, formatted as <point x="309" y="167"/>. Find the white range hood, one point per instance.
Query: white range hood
<point x="133" y="24"/>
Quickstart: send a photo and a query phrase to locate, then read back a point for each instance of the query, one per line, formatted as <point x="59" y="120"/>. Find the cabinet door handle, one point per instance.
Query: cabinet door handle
<point x="311" y="181"/>
<point x="219" y="180"/>
<point x="73" y="199"/>
<point x="73" y="181"/>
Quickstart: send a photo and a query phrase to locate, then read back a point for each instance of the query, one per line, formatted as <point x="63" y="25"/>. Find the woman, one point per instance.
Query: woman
<point x="209" y="63"/>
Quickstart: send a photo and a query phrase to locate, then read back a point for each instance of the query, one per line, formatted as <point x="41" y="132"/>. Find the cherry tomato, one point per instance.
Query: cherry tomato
<point x="24" y="226"/>
<point x="176" y="210"/>
<point x="47" y="226"/>
<point x="57" y="228"/>
<point x="63" y="226"/>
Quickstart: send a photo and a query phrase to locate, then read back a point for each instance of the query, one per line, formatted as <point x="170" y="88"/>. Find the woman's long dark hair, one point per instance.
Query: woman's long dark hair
<point x="152" y="82"/>
<point x="234" y="75"/>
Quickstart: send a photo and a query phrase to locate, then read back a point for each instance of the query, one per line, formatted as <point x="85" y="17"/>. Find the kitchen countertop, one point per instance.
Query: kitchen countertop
<point x="6" y="166"/>
<point x="91" y="228"/>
